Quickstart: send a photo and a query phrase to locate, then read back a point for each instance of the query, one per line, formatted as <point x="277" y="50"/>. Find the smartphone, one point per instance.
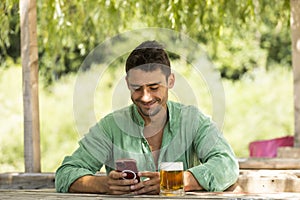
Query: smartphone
<point x="128" y="166"/>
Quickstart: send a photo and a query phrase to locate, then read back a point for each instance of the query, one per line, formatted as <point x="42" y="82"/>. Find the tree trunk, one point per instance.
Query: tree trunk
<point x="295" y="33"/>
<point x="29" y="55"/>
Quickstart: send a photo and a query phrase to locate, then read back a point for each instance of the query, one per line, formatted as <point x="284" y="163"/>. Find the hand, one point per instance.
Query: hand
<point x="117" y="185"/>
<point x="149" y="186"/>
<point x="190" y="183"/>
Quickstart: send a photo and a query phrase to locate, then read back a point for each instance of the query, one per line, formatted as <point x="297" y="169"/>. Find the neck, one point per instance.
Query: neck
<point x="155" y="124"/>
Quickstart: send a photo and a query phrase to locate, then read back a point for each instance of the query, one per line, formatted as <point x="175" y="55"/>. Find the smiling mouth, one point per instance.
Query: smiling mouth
<point x="148" y="105"/>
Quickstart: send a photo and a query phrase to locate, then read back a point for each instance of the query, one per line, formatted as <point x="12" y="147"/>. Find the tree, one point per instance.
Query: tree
<point x="233" y="32"/>
<point x="30" y="85"/>
<point x="295" y="27"/>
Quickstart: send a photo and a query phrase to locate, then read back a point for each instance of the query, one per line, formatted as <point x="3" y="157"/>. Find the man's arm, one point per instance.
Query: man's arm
<point x="190" y="182"/>
<point x="90" y="184"/>
<point x="89" y="157"/>
<point x="219" y="169"/>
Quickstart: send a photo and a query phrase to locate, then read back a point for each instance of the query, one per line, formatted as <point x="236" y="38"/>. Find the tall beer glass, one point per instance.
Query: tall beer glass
<point x="171" y="179"/>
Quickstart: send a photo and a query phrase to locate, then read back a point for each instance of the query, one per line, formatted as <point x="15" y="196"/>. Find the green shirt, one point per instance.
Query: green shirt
<point x="189" y="136"/>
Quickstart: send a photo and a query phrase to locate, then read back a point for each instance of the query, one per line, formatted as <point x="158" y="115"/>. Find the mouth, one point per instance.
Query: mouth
<point x="148" y="105"/>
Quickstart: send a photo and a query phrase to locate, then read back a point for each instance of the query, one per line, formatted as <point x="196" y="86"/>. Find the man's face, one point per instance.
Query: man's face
<point x="149" y="90"/>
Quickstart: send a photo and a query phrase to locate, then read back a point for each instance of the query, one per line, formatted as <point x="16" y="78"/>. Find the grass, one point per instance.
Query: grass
<point x="260" y="106"/>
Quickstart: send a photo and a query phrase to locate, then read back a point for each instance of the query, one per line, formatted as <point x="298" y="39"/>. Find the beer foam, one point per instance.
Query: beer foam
<point x="171" y="166"/>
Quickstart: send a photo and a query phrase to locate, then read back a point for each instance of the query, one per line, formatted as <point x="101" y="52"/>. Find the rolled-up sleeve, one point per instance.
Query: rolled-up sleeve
<point x="219" y="168"/>
<point x="92" y="153"/>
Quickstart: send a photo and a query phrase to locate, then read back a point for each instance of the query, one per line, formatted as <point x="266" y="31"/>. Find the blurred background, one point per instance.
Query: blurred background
<point x="248" y="42"/>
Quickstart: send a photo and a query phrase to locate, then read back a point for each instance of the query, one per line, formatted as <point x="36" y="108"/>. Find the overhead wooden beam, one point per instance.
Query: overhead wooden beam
<point x="295" y="33"/>
<point x="29" y="55"/>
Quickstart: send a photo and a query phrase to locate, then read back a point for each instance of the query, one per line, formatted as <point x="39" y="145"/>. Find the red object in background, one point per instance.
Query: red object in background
<point x="268" y="148"/>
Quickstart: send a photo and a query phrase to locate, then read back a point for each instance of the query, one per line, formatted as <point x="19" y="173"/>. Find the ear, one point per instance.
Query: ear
<point x="126" y="78"/>
<point x="171" y="81"/>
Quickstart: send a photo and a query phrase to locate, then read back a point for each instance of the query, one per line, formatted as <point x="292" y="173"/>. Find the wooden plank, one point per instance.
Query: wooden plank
<point x="288" y="152"/>
<point x="269" y="163"/>
<point x="27" y="180"/>
<point x="29" y="54"/>
<point x="272" y="171"/>
<point x="295" y="33"/>
<point x="252" y="181"/>
<point x="48" y="194"/>
<point x="267" y="181"/>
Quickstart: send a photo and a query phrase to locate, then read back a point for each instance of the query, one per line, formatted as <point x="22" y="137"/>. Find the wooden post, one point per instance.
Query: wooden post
<point x="295" y="33"/>
<point x="29" y="55"/>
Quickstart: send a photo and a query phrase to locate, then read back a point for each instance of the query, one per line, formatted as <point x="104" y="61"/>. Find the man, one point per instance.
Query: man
<point x="151" y="130"/>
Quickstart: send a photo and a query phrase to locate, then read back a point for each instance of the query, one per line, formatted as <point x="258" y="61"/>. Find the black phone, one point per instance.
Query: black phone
<point x="128" y="166"/>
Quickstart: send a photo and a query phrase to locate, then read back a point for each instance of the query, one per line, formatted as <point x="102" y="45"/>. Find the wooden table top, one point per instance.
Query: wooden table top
<point x="49" y="194"/>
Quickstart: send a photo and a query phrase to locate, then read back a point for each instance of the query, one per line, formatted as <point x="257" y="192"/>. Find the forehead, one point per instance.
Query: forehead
<point x="140" y="77"/>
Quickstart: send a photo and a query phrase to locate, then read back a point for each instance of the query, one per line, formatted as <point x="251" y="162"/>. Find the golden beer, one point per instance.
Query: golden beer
<point x="171" y="179"/>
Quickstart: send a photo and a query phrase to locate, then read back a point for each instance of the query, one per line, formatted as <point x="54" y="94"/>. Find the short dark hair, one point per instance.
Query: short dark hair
<point x="149" y="56"/>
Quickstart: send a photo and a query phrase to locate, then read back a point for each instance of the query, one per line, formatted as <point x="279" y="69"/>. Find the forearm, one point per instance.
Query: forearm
<point x="190" y="182"/>
<point x="90" y="184"/>
<point x="216" y="174"/>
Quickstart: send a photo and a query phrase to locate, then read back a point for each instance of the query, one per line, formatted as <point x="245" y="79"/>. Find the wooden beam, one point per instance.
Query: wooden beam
<point x="29" y="55"/>
<point x="295" y="33"/>
<point x="269" y="163"/>
<point x="288" y="152"/>
<point x="268" y="181"/>
<point x="27" y="180"/>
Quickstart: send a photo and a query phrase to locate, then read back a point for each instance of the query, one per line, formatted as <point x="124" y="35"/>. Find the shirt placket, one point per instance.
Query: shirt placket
<point x="148" y="154"/>
<point x="164" y="144"/>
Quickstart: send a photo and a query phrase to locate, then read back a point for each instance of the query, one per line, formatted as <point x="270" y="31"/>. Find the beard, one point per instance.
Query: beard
<point x="151" y="111"/>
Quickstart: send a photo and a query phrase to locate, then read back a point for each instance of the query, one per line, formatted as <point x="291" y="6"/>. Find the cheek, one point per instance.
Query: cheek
<point x="163" y="92"/>
<point x="135" y="95"/>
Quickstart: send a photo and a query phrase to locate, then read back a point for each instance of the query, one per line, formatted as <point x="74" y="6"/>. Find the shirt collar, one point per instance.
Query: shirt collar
<point x="136" y="117"/>
<point x="173" y="116"/>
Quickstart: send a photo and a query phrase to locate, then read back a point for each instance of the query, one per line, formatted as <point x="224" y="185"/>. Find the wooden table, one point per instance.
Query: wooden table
<point x="50" y="194"/>
<point x="252" y="184"/>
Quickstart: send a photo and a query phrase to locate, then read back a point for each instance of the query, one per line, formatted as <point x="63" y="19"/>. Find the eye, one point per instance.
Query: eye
<point x="153" y="88"/>
<point x="137" y="89"/>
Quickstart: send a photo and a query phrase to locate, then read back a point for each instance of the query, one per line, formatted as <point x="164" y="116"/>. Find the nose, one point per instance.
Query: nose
<point x="146" y="96"/>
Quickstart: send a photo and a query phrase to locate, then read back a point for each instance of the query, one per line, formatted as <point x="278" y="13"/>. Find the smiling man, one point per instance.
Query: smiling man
<point x="151" y="130"/>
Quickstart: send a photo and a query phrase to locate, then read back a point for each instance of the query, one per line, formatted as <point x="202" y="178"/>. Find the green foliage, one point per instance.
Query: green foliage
<point x="10" y="30"/>
<point x="243" y="38"/>
<point x="11" y="120"/>
<point x="69" y="30"/>
<point x="259" y="106"/>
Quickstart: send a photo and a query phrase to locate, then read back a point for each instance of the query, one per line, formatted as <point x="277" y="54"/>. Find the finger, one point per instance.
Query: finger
<point x="121" y="186"/>
<point x="115" y="189"/>
<point x="122" y="182"/>
<point x="148" y="174"/>
<point x="149" y="186"/>
<point x="116" y="175"/>
<point x="138" y="186"/>
<point x="152" y="183"/>
<point x="153" y="189"/>
<point x="120" y="189"/>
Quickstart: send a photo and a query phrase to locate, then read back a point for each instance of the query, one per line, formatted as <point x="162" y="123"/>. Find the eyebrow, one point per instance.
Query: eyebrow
<point x="149" y="85"/>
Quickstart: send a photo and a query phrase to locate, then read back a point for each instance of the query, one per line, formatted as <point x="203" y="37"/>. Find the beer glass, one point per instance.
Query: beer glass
<point x="171" y="179"/>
